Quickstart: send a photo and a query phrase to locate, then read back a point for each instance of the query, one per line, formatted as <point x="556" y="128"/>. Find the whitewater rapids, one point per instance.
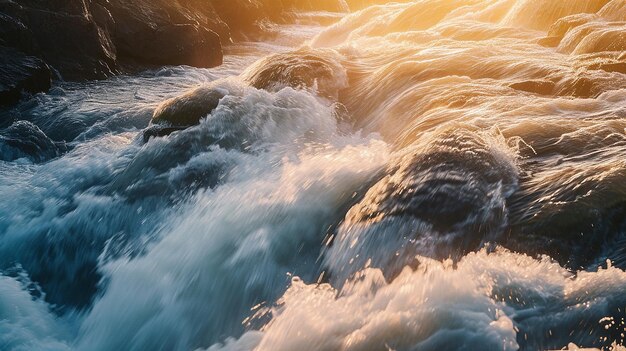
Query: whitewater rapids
<point x="422" y="175"/>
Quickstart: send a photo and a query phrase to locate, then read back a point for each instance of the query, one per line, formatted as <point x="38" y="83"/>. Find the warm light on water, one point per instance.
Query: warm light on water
<point x="422" y="175"/>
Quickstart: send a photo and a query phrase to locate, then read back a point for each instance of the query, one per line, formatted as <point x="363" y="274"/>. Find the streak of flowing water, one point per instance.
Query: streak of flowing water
<point x="422" y="175"/>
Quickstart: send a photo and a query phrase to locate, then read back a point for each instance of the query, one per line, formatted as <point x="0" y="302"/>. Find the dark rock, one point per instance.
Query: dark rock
<point x="302" y="69"/>
<point x="439" y="200"/>
<point x="25" y="140"/>
<point x="66" y="37"/>
<point x="20" y="73"/>
<point x="81" y="39"/>
<point x="161" y="34"/>
<point x="70" y="7"/>
<point x="243" y="16"/>
<point x="181" y="44"/>
<point x="13" y="33"/>
<point x="188" y="109"/>
<point x="89" y="39"/>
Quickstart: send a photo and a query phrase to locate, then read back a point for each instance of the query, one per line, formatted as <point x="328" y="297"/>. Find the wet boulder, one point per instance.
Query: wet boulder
<point x="25" y="140"/>
<point x="247" y="19"/>
<point x="313" y="69"/>
<point x="619" y="67"/>
<point x="441" y="199"/>
<point x="20" y="74"/>
<point x="188" y="109"/>
<point x="549" y="41"/>
<point x="184" y="111"/>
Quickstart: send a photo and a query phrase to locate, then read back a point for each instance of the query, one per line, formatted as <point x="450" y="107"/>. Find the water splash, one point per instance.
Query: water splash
<point x="488" y="132"/>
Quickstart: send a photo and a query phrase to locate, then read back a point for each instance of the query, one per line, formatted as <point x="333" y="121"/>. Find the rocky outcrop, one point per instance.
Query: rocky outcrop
<point x="94" y="39"/>
<point x="84" y="39"/>
<point x="20" y="74"/>
<point x="162" y="32"/>
<point x="63" y="34"/>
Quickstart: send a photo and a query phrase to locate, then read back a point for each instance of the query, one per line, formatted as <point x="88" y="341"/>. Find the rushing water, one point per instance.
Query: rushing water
<point x="426" y="175"/>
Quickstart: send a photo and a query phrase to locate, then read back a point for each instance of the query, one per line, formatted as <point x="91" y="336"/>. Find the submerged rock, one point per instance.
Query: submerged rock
<point x="20" y="73"/>
<point x="25" y="140"/>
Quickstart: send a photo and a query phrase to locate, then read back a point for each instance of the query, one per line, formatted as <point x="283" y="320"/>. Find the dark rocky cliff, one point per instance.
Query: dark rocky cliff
<point x="94" y="39"/>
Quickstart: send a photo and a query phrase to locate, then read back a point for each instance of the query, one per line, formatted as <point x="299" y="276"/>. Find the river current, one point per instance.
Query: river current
<point x="424" y="175"/>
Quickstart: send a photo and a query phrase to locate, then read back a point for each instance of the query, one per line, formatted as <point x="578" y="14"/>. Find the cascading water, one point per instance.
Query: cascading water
<point x="422" y="175"/>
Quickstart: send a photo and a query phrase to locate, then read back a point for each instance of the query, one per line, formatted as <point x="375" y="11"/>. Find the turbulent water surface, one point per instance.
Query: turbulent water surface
<point x="425" y="175"/>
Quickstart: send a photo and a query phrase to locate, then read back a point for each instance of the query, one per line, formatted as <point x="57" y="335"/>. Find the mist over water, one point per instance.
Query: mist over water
<point x="423" y="175"/>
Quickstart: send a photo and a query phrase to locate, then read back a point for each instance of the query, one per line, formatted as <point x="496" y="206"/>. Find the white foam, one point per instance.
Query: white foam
<point x="230" y="248"/>
<point x="26" y="323"/>
<point x="473" y="306"/>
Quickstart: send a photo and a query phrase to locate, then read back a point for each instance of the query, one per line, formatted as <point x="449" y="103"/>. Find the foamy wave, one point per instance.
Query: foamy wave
<point x="26" y="323"/>
<point x="488" y="301"/>
<point x="230" y="248"/>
